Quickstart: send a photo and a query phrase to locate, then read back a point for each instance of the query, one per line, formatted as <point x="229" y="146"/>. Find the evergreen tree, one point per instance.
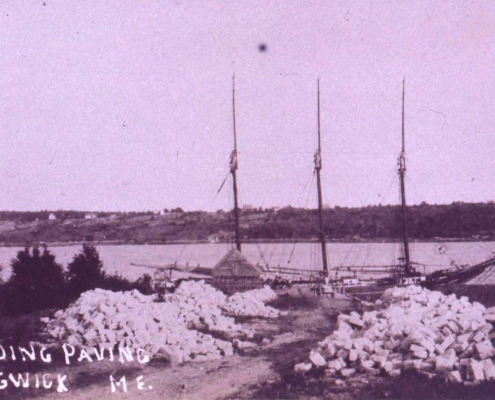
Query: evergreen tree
<point x="85" y="272"/>
<point x="37" y="281"/>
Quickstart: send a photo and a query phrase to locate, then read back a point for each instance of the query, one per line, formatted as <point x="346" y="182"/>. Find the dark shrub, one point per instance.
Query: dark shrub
<point x="144" y="284"/>
<point x="85" y="272"/>
<point x="116" y="283"/>
<point x="37" y="281"/>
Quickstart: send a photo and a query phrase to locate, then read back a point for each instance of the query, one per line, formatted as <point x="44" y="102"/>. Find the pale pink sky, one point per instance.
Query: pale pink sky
<point x="126" y="105"/>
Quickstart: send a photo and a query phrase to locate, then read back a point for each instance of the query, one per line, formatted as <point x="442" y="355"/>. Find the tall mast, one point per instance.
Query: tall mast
<point x="320" y="200"/>
<point x="233" y="168"/>
<point x="402" y="173"/>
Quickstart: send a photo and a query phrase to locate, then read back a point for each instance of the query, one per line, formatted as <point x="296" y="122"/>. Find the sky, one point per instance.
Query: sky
<point x="127" y="105"/>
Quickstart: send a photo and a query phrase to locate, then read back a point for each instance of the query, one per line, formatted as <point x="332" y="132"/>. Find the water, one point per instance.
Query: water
<point x="119" y="258"/>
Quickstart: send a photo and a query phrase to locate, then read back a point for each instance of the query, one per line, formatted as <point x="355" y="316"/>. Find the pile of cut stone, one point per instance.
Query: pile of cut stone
<point x="101" y="318"/>
<point x="200" y="307"/>
<point x="414" y="328"/>
<point x="252" y="304"/>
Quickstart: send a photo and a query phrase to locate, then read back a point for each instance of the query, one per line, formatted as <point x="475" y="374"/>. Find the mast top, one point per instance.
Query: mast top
<point x="233" y="156"/>
<point x="318" y="151"/>
<point x="233" y="168"/>
<point x="319" y="131"/>
<point x="233" y="112"/>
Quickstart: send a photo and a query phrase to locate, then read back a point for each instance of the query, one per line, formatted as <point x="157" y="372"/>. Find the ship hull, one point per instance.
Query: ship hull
<point x="433" y="281"/>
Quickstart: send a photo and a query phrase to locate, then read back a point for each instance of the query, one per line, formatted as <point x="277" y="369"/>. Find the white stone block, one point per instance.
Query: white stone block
<point x="454" y="377"/>
<point x="356" y="322"/>
<point x="484" y="349"/>
<point x="489" y="369"/>
<point x="302" y="367"/>
<point x="419" y="351"/>
<point x="353" y="355"/>
<point x="443" y="363"/>
<point x="317" y="359"/>
<point x="347" y="372"/>
<point x="394" y="373"/>
<point x="475" y="370"/>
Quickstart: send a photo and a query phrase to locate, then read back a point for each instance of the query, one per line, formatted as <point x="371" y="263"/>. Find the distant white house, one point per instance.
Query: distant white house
<point x="214" y="238"/>
<point x="52" y="217"/>
<point x="90" y="216"/>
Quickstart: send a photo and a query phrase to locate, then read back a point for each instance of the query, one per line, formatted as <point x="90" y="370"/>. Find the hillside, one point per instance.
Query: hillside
<point x="468" y="221"/>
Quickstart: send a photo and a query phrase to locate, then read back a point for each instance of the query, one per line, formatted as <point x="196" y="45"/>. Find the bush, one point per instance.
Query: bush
<point x="117" y="283"/>
<point x="37" y="281"/>
<point x="144" y="284"/>
<point x="85" y="272"/>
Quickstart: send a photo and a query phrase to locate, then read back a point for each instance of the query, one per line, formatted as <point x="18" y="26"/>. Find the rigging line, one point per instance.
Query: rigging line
<point x="182" y="248"/>
<point x="313" y="255"/>
<point x="261" y="255"/>
<point x="483" y="277"/>
<point x="432" y="265"/>
<point x="272" y="252"/>
<point x="367" y="253"/>
<point x="223" y="183"/>
<point x="348" y="253"/>
<point x="483" y="246"/>
<point x="229" y="237"/>
<point x="392" y="181"/>
<point x="311" y="183"/>
<point x="309" y="180"/>
<point x="490" y="272"/>
<point x="393" y="253"/>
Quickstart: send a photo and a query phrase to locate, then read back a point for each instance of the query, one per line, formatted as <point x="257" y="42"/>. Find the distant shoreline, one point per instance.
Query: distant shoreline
<point x="457" y="222"/>
<point x="246" y="241"/>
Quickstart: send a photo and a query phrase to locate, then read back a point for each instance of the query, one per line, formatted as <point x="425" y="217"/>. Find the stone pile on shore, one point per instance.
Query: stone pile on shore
<point x="413" y="328"/>
<point x="173" y="328"/>
<point x="251" y="304"/>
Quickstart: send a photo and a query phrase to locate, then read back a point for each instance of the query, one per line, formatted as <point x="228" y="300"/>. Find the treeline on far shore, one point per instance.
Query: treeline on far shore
<point x="468" y="221"/>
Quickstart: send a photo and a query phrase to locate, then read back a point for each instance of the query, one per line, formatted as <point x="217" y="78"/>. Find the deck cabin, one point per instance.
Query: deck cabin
<point x="234" y="273"/>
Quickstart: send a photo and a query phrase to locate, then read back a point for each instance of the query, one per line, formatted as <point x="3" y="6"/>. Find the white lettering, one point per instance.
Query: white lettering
<point x="45" y="358"/>
<point x="68" y="354"/>
<point x="3" y="382"/>
<point x="125" y="354"/>
<point x="61" y="386"/>
<point x="20" y="380"/>
<point x="140" y="383"/>
<point x="142" y="360"/>
<point x="13" y="353"/>
<point x="115" y="383"/>
<point x="84" y="356"/>
<point x="25" y="352"/>
<point x="47" y="385"/>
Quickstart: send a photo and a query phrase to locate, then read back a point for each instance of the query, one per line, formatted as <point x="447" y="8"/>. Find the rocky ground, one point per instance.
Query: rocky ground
<point x="264" y="371"/>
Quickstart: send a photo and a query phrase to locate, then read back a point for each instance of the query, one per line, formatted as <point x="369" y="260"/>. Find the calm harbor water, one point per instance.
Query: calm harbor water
<point x="120" y="258"/>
